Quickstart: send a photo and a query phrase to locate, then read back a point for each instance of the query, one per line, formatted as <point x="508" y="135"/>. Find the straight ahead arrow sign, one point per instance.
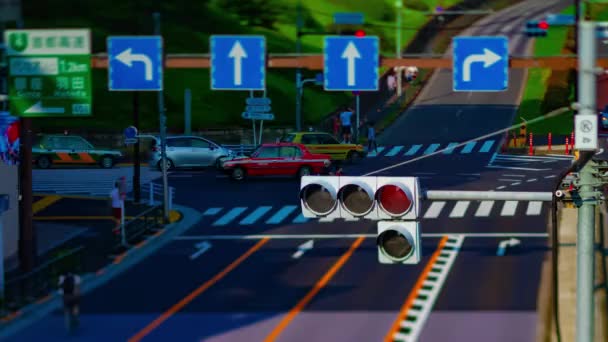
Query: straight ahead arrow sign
<point x="237" y="53"/>
<point x="350" y="54"/>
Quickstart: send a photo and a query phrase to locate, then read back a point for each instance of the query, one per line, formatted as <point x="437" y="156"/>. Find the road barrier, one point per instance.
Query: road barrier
<point x="147" y="222"/>
<point x="567" y="146"/>
<point x="41" y="281"/>
<point x="531" y="151"/>
<point x="549" y="141"/>
<point x="154" y="193"/>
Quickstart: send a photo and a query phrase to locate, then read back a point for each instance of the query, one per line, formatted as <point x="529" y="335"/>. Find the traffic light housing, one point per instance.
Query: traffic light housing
<point x="351" y="32"/>
<point x="535" y="28"/>
<point x="399" y="242"/>
<point x="374" y="198"/>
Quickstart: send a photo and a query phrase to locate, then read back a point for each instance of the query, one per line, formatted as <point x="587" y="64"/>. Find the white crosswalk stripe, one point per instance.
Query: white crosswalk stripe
<point x="484" y="147"/>
<point x="291" y="214"/>
<point x="94" y="182"/>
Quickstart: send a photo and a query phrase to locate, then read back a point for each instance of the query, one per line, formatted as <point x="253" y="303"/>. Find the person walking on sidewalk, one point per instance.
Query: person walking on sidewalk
<point x="345" y="117"/>
<point x="116" y="200"/>
<point x="371" y="137"/>
<point x="69" y="288"/>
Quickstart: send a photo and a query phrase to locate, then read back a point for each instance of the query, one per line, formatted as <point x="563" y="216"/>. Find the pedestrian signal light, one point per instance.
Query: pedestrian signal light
<point x="536" y="28"/>
<point x="399" y="242"/>
<point x="375" y="198"/>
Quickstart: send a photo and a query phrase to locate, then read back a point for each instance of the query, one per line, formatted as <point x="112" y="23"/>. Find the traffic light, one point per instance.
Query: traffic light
<point x="399" y="242"/>
<point x="535" y="28"/>
<point x="356" y="33"/>
<point x="374" y="198"/>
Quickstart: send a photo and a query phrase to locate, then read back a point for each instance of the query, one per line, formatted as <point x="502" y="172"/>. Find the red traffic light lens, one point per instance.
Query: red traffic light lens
<point x="394" y="200"/>
<point x="543" y="25"/>
<point x="359" y="33"/>
<point x="318" y="199"/>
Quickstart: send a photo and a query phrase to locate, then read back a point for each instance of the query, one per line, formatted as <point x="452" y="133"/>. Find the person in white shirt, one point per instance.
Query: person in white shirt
<point x="116" y="206"/>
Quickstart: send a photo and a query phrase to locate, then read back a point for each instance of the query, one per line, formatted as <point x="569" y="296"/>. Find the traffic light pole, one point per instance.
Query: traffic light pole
<point x="163" y="133"/>
<point x="299" y="25"/>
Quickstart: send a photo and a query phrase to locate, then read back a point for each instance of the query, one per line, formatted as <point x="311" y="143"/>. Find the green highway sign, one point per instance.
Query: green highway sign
<point x="49" y="72"/>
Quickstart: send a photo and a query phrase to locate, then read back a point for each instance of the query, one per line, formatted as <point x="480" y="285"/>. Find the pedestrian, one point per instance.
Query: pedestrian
<point x="69" y="289"/>
<point x="116" y="200"/>
<point x="345" y="119"/>
<point x="371" y="137"/>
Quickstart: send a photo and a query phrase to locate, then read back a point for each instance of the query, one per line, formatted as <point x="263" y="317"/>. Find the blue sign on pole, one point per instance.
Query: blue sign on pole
<point x="238" y="62"/>
<point x="480" y="63"/>
<point x="131" y="132"/>
<point x="135" y="63"/>
<point x="560" y="19"/>
<point x="352" y="18"/>
<point x="351" y="63"/>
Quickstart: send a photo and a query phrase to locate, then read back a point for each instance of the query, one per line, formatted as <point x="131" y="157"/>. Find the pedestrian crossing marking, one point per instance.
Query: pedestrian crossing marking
<point x="212" y="211"/>
<point x="486" y="146"/>
<point x="509" y="208"/>
<point x="484" y="209"/>
<point x="460" y="209"/>
<point x="255" y="215"/>
<point x="468" y="147"/>
<point x="393" y="152"/>
<point x="373" y="153"/>
<point x="300" y="219"/>
<point x="229" y="216"/>
<point x="450" y="148"/>
<point x="534" y="208"/>
<point x="434" y="210"/>
<point x="432" y="148"/>
<point x="282" y="214"/>
<point x="413" y="150"/>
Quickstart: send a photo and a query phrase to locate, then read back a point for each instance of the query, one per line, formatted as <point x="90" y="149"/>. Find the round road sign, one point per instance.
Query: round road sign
<point x="131" y="132"/>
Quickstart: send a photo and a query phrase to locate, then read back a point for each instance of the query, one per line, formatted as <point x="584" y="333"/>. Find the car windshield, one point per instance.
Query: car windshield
<point x="288" y="138"/>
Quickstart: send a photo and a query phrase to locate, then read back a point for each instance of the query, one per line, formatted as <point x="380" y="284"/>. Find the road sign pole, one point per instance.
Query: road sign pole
<point x="585" y="260"/>
<point x="163" y="131"/>
<point x="261" y="131"/>
<point x="357" y="129"/>
<point x="187" y="111"/>
<point x="398" y="9"/>
<point x="136" y="152"/>
<point x="299" y="26"/>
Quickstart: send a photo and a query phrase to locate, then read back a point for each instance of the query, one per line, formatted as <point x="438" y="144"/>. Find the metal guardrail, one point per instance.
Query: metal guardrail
<point x="145" y="223"/>
<point x="41" y="281"/>
<point x="154" y="193"/>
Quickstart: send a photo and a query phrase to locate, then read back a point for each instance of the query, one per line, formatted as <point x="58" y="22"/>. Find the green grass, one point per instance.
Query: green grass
<point x="536" y="85"/>
<point x="187" y="26"/>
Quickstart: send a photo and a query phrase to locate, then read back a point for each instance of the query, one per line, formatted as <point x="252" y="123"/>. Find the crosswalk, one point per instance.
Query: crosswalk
<point x="292" y="214"/>
<point x="93" y="182"/>
<point x="486" y="146"/>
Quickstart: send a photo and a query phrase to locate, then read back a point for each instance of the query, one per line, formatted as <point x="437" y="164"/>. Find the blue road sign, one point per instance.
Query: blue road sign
<point x="480" y="63"/>
<point x="352" y="18"/>
<point x="560" y="19"/>
<point x="257" y="116"/>
<point x="238" y="62"/>
<point x="135" y="63"/>
<point x="258" y="109"/>
<point x="131" y="132"/>
<point x="351" y="63"/>
<point x="258" y="101"/>
<point x="601" y="29"/>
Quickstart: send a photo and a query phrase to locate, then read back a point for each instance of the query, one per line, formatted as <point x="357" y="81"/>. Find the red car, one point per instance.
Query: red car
<point x="280" y="159"/>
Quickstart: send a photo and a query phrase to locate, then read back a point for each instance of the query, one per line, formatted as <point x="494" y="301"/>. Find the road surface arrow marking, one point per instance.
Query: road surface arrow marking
<point x="303" y="248"/>
<point x="488" y="58"/>
<point x="502" y="246"/>
<point x="127" y="58"/>
<point x="237" y="53"/>
<point x="38" y="109"/>
<point x="350" y="54"/>
<point x="202" y="247"/>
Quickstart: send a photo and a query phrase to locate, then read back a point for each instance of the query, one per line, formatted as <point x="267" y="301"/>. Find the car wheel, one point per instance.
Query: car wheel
<point x="169" y="165"/>
<point x="304" y="171"/>
<point x="238" y="174"/>
<point x="43" y="162"/>
<point x="106" y="162"/>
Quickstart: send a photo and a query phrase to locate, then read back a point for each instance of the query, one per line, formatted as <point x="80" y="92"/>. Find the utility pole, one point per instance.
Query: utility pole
<point x="136" y="152"/>
<point x="577" y="19"/>
<point x="398" y="9"/>
<point x="585" y="258"/>
<point x="299" y="26"/>
<point x="163" y="130"/>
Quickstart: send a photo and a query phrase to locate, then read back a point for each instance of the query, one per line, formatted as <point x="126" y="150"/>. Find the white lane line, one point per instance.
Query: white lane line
<point x="460" y="209"/>
<point x="551" y="176"/>
<point x="508" y="209"/>
<point x="349" y="236"/>
<point x="484" y="209"/>
<point x="532" y="180"/>
<point x="507" y="180"/>
<point x="515" y="168"/>
<point x="414" y="320"/>
<point x="534" y="208"/>
<point x="434" y="210"/>
<point x="516" y="183"/>
<point x="510" y="175"/>
<point x="500" y="187"/>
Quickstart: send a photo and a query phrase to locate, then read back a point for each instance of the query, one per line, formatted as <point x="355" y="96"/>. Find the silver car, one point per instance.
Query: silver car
<point x="190" y="151"/>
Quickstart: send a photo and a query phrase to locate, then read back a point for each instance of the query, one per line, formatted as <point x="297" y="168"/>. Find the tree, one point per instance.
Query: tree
<point x="263" y="13"/>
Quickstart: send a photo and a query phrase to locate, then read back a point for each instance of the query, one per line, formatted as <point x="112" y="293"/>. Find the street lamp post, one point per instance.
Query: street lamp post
<point x="299" y="26"/>
<point x="398" y="52"/>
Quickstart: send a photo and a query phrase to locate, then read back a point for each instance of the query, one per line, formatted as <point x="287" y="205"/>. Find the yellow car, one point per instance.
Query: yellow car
<point x="324" y="143"/>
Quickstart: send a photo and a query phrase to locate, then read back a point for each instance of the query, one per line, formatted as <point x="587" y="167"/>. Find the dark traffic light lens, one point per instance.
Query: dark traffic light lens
<point x="356" y="200"/>
<point x="394" y="200"/>
<point x="395" y="245"/>
<point x="318" y="199"/>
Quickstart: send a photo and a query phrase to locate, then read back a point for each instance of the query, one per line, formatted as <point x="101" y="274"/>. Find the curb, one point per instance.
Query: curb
<point x="31" y="313"/>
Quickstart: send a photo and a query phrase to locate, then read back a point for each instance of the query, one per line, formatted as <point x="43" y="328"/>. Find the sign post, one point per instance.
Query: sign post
<point x="49" y="72"/>
<point x="258" y="108"/>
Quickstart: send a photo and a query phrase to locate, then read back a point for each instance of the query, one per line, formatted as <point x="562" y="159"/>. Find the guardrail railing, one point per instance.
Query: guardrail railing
<point x="41" y="281"/>
<point x="154" y="193"/>
<point x="146" y="223"/>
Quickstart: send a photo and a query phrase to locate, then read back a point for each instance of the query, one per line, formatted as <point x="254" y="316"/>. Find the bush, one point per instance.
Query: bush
<point x="417" y="5"/>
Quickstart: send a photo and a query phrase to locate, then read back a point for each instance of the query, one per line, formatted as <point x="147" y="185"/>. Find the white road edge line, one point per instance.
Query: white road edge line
<point x="454" y="242"/>
<point x="348" y="236"/>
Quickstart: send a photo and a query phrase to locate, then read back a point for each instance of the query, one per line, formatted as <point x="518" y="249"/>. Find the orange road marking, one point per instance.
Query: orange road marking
<point x="190" y="297"/>
<point x="412" y="296"/>
<point x="119" y="258"/>
<point x="319" y="285"/>
<point x="64" y="158"/>
<point x="44" y="202"/>
<point x="67" y="218"/>
<point x="86" y="158"/>
<point x="43" y="299"/>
